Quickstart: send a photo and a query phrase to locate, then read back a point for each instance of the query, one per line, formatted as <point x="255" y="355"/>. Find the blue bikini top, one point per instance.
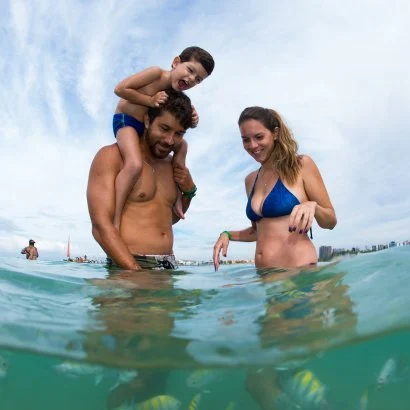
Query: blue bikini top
<point x="279" y="202"/>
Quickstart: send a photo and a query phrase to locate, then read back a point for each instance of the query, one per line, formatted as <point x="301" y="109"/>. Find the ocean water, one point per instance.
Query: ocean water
<point x="75" y="336"/>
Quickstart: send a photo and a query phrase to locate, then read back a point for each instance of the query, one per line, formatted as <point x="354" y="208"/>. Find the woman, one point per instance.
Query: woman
<point x="284" y="195"/>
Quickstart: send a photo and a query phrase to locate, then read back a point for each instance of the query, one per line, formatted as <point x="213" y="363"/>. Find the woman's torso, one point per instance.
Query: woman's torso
<point x="270" y="203"/>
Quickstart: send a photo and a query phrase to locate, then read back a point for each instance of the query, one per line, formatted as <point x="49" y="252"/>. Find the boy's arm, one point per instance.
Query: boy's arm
<point x="129" y="88"/>
<point x="101" y="206"/>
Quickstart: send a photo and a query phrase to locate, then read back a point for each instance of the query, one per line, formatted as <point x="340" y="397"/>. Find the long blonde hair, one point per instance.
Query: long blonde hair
<point x="285" y="157"/>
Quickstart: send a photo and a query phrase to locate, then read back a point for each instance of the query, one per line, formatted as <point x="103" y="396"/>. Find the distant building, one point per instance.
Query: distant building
<point x="374" y="248"/>
<point x="325" y="252"/>
<point x="392" y="244"/>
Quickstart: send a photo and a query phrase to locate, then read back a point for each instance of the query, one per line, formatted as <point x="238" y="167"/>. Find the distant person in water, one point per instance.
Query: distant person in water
<point x="138" y="93"/>
<point x="285" y="195"/>
<point x="30" y="251"/>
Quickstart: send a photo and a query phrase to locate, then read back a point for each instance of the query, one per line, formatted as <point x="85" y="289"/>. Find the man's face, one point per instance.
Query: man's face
<point x="163" y="134"/>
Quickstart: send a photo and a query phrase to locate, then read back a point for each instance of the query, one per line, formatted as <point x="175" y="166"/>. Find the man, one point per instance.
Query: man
<point x="145" y="239"/>
<point x="30" y="251"/>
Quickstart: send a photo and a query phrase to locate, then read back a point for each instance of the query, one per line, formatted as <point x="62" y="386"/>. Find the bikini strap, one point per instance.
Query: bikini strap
<point x="254" y="182"/>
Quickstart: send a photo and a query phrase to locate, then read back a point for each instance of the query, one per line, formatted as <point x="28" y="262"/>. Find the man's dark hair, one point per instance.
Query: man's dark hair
<point x="200" y="55"/>
<point x="178" y="104"/>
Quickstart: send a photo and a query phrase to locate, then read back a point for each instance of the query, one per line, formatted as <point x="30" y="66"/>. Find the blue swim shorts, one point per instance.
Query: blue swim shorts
<point x="124" y="120"/>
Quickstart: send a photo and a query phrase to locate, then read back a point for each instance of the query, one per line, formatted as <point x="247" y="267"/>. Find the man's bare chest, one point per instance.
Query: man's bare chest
<point x="155" y="183"/>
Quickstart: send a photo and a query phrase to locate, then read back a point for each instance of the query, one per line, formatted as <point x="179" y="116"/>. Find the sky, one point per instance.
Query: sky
<point x="336" y="71"/>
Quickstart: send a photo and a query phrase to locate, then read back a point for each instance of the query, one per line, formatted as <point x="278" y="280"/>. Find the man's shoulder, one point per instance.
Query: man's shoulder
<point x="109" y="149"/>
<point x="108" y="153"/>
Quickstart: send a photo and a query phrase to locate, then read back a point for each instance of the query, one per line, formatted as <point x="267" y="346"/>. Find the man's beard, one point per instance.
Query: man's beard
<point x="162" y="153"/>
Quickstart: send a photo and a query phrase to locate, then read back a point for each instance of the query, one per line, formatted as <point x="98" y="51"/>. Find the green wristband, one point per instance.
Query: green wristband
<point x="190" y="194"/>
<point x="227" y="234"/>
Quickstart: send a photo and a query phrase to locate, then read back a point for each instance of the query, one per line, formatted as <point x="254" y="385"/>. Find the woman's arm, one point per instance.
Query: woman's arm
<point x="244" y="235"/>
<point x="319" y="205"/>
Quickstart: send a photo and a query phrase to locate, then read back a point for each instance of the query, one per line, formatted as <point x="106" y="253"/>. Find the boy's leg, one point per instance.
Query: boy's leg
<point x="128" y="143"/>
<point x="180" y="153"/>
<point x="178" y="160"/>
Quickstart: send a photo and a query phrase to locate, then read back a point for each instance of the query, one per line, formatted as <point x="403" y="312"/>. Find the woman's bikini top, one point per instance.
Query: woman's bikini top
<point x="279" y="202"/>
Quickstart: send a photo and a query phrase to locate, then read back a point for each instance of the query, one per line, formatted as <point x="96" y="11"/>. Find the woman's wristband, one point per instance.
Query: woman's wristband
<point x="227" y="234"/>
<point x="190" y="194"/>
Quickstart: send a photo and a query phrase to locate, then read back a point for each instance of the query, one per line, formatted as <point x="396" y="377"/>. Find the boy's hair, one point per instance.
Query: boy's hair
<point x="200" y="55"/>
<point x="178" y="104"/>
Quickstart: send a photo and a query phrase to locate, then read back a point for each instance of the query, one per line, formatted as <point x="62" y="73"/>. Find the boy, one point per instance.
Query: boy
<point x="147" y="89"/>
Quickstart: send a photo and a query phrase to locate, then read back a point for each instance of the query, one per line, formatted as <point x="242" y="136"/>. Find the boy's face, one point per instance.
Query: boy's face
<point x="186" y="75"/>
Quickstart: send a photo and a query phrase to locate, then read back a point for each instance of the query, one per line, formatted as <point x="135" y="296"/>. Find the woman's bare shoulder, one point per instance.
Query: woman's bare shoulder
<point x="307" y="163"/>
<point x="250" y="178"/>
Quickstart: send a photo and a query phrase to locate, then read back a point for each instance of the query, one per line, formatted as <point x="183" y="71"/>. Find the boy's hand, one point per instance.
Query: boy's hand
<point x="195" y="118"/>
<point x="159" y="98"/>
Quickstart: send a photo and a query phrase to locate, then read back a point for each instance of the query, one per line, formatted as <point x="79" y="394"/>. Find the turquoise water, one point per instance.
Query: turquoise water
<point x="73" y="336"/>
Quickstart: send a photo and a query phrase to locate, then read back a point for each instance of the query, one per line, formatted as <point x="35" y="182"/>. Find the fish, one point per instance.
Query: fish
<point x="124" y="377"/>
<point x="394" y="369"/>
<point x="231" y="405"/>
<point x="74" y="369"/>
<point x="364" y="400"/>
<point x="161" y="402"/>
<point x="301" y="389"/>
<point x="4" y="367"/>
<point x="202" y="377"/>
<point x="194" y="403"/>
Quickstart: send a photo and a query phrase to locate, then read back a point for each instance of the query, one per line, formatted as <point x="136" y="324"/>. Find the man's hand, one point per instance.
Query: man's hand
<point x="183" y="178"/>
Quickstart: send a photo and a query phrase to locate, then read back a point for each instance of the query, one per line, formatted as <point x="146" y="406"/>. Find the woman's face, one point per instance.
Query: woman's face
<point x="257" y="140"/>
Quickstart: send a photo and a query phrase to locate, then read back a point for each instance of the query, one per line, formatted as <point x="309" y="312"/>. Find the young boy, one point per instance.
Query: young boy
<point x="139" y="92"/>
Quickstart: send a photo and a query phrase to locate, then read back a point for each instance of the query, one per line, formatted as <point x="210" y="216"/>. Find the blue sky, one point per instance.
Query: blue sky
<point x="337" y="72"/>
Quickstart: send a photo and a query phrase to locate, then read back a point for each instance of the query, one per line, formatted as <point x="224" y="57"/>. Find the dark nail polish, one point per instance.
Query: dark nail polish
<point x="294" y="229"/>
<point x="301" y="231"/>
<point x="306" y="230"/>
<point x="290" y="229"/>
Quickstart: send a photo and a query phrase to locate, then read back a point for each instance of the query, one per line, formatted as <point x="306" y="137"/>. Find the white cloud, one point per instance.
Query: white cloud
<point x="336" y="71"/>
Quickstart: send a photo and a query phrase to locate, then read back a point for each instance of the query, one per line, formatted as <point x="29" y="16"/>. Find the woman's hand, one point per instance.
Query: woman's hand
<point x="221" y="245"/>
<point x="301" y="217"/>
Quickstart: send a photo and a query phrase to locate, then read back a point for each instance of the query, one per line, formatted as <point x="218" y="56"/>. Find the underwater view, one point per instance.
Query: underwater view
<point x="80" y="336"/>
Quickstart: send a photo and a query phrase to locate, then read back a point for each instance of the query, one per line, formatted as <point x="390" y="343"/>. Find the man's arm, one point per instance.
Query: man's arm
<point x="101" y="206"/>
<point x="183" y="178"/>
